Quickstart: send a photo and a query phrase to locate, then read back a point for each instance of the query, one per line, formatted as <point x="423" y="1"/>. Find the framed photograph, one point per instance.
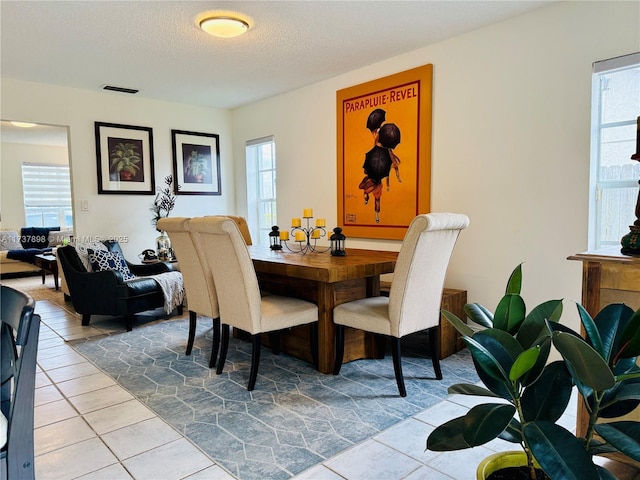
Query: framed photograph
<point x="125" y="159"/>
<point x="196" y="163"/>
<point x="384" y="154"/>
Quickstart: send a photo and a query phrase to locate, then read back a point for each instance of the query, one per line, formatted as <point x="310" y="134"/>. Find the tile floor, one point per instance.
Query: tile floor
<point x="88" y="427"/>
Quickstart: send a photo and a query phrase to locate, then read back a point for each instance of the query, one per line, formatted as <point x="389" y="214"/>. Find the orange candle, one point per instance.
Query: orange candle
<point x="300" y="236"/>
<point x="307" y="213"/>
<point x="321" y="222"/>
<point x="295" y="222"/>
<point x="284" y="236"/>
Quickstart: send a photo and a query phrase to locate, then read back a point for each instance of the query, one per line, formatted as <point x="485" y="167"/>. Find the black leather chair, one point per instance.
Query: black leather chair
<point x="106" y="292"/>
<point x="19" y="328"/>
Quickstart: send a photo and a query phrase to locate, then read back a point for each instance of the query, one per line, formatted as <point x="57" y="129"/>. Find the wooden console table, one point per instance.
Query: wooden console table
<point x="608" y="277"/>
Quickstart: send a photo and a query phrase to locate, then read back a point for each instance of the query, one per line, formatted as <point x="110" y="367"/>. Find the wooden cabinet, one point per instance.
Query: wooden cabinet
<point x="608" y="277"/>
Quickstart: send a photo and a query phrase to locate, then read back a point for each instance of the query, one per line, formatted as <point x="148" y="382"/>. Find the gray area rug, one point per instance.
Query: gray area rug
<point x="295" y="417"/>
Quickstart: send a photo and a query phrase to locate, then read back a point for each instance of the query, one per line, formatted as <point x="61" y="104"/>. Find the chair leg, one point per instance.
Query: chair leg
<point x="224" y="346"/>
<point x="274" y="340"/>
<point x="85" y="319"/>
<point x="128" y="320"/>
<point x="255" y="361"/>
<point x="434" y="347"/>
<point x="180" y="309"/>
<point x="216" y="342"/>
<point x="192" y="331"/>
<point x="337" y="365"/>
<point x="396" y="351"/>
<point x="313" y="340"/>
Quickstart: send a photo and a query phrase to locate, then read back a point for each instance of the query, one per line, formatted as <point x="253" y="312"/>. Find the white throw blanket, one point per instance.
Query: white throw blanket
<point x="172" y="288"/>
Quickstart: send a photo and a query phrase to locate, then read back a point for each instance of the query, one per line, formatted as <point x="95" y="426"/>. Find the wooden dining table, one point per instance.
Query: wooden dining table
<point x="326" y="281"/>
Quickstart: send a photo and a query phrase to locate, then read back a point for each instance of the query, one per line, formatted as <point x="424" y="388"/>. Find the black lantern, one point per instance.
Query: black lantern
<point x="274" y="238"/>
<point x="337" y="243"/>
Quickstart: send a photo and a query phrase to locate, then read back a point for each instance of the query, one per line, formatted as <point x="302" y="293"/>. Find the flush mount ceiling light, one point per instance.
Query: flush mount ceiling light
<point x="224" y="26"/>
<point x="23" y="124"/>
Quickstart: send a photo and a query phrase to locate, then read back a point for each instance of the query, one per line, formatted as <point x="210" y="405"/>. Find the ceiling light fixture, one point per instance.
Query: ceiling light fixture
<point x="224" y="26"/>
<point x="23" y="124"/>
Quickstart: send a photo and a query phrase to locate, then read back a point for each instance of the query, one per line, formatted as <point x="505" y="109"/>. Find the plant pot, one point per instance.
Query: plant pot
<point x="499" y="461"/>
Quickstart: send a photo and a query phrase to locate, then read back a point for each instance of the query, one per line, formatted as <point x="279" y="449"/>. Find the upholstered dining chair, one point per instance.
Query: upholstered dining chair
<point x="198" y="281"/>
<point x="414" y="300"/>
<point x="19" y="330"/>
<point x="241" y="305"/>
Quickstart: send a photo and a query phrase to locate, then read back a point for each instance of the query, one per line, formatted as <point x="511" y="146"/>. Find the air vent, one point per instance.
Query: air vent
<point x="120" y="89"/>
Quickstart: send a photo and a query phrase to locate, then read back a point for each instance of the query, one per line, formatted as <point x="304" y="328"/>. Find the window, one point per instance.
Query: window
<point x="614" y="176"/>
<point x="261" y="188"/>
<point x="47" y="195"/>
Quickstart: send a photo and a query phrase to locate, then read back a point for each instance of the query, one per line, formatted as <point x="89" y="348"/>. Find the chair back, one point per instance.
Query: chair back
<point x="19" y="328"/>
<point x="418" y="278"/>
<point x="243" y="226"/>
<point x="196" y="274"/>
<point x="225" y="251"/>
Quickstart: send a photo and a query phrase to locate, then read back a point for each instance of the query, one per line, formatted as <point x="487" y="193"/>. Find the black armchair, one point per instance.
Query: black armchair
<point x="19" y="328"/>
<point x="106" y="292"/>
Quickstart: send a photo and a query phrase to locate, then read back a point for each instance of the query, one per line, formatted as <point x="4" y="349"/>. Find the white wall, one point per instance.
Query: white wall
<point x="511" y="120"/>
<point x="11" y="195"/>
<point x="121" y="215"/>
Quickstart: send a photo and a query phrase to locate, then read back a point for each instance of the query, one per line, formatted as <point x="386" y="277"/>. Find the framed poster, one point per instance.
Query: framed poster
<point x="384" y="153"/>
<point x="124" y="156"/>
<point x="196" y="163"/>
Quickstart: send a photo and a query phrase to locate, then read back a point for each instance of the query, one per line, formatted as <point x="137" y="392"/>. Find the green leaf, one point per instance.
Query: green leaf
<point x="623" y="436"/>
<point x="611" y="321"/>
<point x="489" y="356"/>
<point x="458" y="324"/>
<point x="525" y="362"/>
<point x="559" y="452"/>
<point x="534" y="325"/>
<point x="468" y="389"/>
<point x="587" y="364"/>
<point x="507" y="341"/>
<point x="548" y="397"/>
<point x="485" y="422"/>
<point x="514" y="284"/>
<point x="593" y="335"/>
<point x="479" y="314"/>
<point x="630" y="338"/>
<point x="448" y="437"/>
<point x="510" y="313"/>
<point x="512" y="433"/>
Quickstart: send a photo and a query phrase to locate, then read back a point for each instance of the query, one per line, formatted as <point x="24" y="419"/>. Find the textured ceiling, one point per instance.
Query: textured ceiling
<point x="156" y="47"/>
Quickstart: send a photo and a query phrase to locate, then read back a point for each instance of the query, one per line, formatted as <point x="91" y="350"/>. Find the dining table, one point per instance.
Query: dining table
<point x="327" y="281"/>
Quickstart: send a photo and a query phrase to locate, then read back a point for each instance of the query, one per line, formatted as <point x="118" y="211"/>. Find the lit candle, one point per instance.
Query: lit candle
<point x="307" y="213"/>
<point x="295" y="222"/>
<point x="284" y="236"/>
<point x="315" y="234"/>
<point x="300" y="236"/>
<point x="321" y="222"/>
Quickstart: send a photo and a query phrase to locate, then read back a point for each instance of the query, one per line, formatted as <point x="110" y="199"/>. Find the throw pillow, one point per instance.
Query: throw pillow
<point x="83" y="252"/>
<point x="10" y="240"/>
<point x="104" y="260"/>
<point x="36" y="237"/>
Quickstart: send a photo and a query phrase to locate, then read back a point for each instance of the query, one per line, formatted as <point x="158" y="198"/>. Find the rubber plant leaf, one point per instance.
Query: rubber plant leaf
<point x="534" y="325"/>
<point x="469" y="389"/>
<point x="560" y="453"/>
<point x="514" y="284"/>
<point x="590" y="328"/>
<point x="611" y="321"/>
<point x="458" y="324"/>
<point x="625" y="436"/>
<point x="630" y="339"/>
<point x="491" y="360"/>
<point x="448" y="437"/>
<point x="547" y="399"/>
<point x="587" y="364"/>
<point x="525" y="362"/>
<point x="485" y="422"/>
<point x="479" y="314"/>
<point x="509" y="313"/>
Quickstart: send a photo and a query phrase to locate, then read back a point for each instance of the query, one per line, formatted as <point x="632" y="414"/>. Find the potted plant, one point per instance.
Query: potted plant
<point x="125" y="160"/>
<point x="511" y="358"/>
<point x="197" y="166"/>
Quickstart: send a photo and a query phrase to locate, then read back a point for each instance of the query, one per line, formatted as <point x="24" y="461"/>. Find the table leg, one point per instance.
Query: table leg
<point x="326" y="328"/>
<point x="42" y="273"/>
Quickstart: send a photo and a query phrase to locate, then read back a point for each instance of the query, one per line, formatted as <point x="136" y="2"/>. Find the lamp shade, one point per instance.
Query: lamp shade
<point x="224" y="26"/>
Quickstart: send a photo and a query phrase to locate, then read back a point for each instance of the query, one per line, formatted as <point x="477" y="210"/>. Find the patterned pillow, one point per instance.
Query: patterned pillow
<point x="105" y="260"/>
<point x="83" y="252"/>
<point x="10" y="240"/>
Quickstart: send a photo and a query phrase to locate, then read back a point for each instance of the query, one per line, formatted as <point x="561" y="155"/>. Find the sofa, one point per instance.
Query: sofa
<point x="17" y="250"/>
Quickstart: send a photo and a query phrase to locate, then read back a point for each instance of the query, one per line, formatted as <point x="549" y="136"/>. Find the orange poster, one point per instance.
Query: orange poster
<point x="384" y="154"/>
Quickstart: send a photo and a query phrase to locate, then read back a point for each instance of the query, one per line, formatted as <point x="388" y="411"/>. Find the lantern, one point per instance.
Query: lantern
<point x="274" y="238"/>
<point x="337" y="243"/>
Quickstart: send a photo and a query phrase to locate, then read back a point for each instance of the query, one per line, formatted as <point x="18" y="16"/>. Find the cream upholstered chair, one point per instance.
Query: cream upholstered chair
<point x="413" y="303"/>
<point x="241" y="305"/>
<point x="198" y="281"/>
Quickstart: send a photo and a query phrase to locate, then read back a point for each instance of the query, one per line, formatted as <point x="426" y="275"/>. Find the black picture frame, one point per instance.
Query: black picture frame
<point x="124" y="156"/>
<point x="196" y="163"/>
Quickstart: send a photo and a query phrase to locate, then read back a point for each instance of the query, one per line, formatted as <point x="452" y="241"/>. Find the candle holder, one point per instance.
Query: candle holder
<point x="304" y="238"/>
<point x="274" y="238"/>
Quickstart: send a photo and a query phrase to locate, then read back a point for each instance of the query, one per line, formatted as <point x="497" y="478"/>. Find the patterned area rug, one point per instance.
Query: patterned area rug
<point x="295" y="417"/>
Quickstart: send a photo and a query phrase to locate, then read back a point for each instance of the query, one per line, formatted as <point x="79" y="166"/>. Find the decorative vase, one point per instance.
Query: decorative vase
<point x="163" y="247"/>
<point x="499" y="461"/>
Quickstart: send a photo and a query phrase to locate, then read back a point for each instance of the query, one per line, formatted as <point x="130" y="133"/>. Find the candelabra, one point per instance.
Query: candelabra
<point x="304" y="238"/>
